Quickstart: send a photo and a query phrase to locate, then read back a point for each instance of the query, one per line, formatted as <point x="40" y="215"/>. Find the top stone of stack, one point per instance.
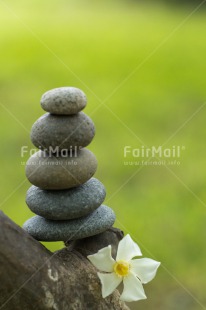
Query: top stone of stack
<point x="64" y="101"/>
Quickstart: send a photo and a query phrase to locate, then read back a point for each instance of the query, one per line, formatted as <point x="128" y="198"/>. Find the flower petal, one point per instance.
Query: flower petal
<point x="133" y="289"/>
<point x="109" y="283"/>
<point x="127" y="249"/>
<point x="103" y="260"/>
<point x="144" y="268"/>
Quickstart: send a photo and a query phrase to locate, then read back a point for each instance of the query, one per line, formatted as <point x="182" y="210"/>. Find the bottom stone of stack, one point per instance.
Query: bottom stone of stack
<point x="49" y="230"/>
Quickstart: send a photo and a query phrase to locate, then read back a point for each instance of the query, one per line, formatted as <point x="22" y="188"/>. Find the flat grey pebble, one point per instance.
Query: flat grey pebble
<point x="64" y="100"/>
<point x="64" y="132"/>
<point x="56" y="173"/>
<point x="47" y="230"/>
<point x="66" y="204"/>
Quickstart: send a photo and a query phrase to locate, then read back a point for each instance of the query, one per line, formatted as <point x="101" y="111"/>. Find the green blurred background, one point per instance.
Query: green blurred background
<point x="143" y="70"/>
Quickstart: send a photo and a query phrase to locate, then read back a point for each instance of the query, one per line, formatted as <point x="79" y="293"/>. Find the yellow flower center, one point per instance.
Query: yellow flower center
<point x="121" y="268"/>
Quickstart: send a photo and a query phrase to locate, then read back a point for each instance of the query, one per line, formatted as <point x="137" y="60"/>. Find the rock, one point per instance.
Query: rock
<point x="47" y="230"/>
<point x="93" y="244"/>
<point x="66" y="204"/>
<point x="54" y="173"/>
<point x="64" y="100"/>
<point x="54" y="133"/>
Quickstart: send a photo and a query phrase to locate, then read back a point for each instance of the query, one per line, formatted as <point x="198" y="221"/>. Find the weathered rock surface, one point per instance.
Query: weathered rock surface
<point x="47" y="230"/>
<point x="54" y="133"/>
<point x="56" y="173"/>
<point x="64" y="100"/>
<point x="66" y="204"/>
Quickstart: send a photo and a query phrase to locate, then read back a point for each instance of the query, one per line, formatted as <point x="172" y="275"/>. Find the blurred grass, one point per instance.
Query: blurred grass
<point x="95" y="46"/>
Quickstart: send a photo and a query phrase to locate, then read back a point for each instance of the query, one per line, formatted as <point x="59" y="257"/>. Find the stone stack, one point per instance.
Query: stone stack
<point x="64" y="195"/>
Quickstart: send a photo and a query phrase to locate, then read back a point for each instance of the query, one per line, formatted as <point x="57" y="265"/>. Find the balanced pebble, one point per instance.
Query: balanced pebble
<point x="66" y="204"/>
<point x="56" y="173"/>
<point x="47" y="230"/>
<point x="64" y="100"/>
<point x="62" y="132"/>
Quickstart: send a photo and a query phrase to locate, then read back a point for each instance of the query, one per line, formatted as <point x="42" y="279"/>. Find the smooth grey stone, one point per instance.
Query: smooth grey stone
<point x="66" y="204"/>
<point x="64" y="132"/>
<point x="47" y="230"/>
<point x="64" y="100"/>
<point x="50" y="172"/>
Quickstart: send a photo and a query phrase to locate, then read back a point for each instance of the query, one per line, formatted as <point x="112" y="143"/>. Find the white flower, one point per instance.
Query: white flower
<point x="133" y="272"/>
